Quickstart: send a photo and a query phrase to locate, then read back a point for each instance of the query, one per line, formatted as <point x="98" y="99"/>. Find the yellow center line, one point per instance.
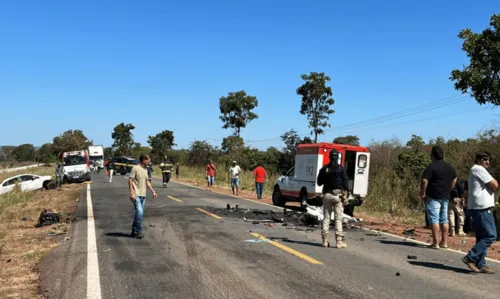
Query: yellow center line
<point x="208" y="213"/>
<point x="173" y="198"/>
<point x="288" y="249"/>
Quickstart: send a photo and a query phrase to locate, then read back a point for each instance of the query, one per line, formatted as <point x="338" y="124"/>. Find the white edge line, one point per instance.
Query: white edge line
<point x="366" y="229"/>
<point x="93" y="278"/>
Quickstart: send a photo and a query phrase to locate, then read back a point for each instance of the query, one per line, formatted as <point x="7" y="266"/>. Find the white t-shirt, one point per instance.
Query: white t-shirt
<point x="480" y="195"/>
<point x="235" y="171"/>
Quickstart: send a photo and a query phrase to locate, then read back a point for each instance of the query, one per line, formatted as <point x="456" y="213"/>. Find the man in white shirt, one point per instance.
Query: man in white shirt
<point x="235" y="171"/>
<point x="482" y="188"/>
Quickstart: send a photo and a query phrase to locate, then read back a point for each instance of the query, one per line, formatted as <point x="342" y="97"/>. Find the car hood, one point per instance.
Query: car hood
<point x="75" y="168"/>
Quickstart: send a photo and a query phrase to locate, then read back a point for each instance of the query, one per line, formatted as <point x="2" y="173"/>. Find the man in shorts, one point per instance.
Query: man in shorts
<point x="210" y="174"/>
<point x="437" y="181"/>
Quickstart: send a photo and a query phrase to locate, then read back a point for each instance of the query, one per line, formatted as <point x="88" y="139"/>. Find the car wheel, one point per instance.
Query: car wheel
<point x="278" y="199"/>
<point x="49" y="185"/>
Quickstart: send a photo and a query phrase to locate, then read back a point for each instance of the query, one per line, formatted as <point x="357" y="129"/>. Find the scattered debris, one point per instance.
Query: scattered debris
<point x="151" y="225"/>
<point x="228" y="207"/>
<point x="48" y="217"/>
<point x="409" y="232"/>
<point x="284" y="224"/>
<point x="362" y="239"/>
<point x="412" y="257"/>
<point x="26" y="219"/>
<point x="256" y="240"/>
<point x="255" y="222"/>
<point x="9" y="260"/>
<point x="56" y="234"/>
<point x="67" y="238"/>
<point x="398" y="274"/>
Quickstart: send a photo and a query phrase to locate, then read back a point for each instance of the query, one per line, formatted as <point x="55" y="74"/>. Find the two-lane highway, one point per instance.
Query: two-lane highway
<point x="188" y="252"/>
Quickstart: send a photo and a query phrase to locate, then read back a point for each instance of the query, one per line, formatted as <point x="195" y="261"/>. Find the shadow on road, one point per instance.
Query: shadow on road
<point x="295" y="242"/>
<point x="440" y="267"/>
<point x="119" y="235"/>
<point x="401" y="243"/>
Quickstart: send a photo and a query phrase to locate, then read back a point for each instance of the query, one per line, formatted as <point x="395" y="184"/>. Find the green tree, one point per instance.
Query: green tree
<point x="413" y="159"/>
<point x="46" y="153"/>
<point x="236" y="110"/>
<point x="70" y="140"/>
<point x="24" y="152"/>
<point x="316" y="101"/>
<point x="123" y="139"/>
<point x="291" y="140"/>
<point x="349" y="139"/>
<point x="160" y="144"/>
<point x="108" y="152"/>
<point x="6" y="152"/>
<point x="200" y="152"/>
<point x="481" y="77"/>
<point x="139" y="149"/>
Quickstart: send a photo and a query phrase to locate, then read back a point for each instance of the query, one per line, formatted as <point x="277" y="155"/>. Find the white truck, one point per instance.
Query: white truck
<point x="76" y="166"/>
<point x="299" y="183"/>
<point x="96" y="154"/>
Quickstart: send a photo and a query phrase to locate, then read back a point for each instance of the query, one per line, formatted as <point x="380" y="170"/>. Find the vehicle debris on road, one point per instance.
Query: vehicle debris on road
<point x="48" y="217"/>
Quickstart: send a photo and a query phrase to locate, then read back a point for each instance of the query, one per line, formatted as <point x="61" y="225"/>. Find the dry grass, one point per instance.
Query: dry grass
<point x="13" y="164"/>
<point x="22" y="245"/>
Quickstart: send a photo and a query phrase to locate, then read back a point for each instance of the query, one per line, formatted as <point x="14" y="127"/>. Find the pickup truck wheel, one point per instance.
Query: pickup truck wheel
<point x="303" y="200"/>
<point x="278" y="199"/>
<point x="49" y="185"/>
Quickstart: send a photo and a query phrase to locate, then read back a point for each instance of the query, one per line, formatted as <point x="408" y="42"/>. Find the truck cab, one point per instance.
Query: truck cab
<point x="299" y="182"/>
<point x="96" y="154"/>
<point x="76" y="166"/>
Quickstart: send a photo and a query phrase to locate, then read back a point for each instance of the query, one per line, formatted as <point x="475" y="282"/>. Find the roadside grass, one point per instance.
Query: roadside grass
<point x="14" y="164"/>
<point x="22" y="246"/>
<point x="222" y="178"/>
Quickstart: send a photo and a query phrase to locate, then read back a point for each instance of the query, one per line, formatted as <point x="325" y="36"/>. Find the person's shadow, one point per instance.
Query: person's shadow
<point x="119" y="235"/>
<point x="440" y="267"/>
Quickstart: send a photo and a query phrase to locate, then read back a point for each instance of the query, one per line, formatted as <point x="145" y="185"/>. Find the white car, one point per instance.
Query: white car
<point x="27" y="182"/>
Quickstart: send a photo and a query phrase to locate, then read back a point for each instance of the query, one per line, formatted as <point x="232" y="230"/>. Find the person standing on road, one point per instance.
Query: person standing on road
<point x="235" y="171"/>
<point x="456" y="208"/>
<point x="138" y="181"/>
<point x="149" y="168"/>
<point x="481" y="189"/>
<point x="166" y="169"/>
<point x="335" y="182"/>
<point x="111" y="168"/>
<point x="177" y="170"/>
<point x="260" y="176"/>
<point x="210" y="174"/>
<point x="59" y="175"/>
<point x="438" y="180"/>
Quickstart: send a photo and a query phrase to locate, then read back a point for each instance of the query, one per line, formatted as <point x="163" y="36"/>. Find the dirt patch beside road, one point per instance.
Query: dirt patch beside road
<point x="22" y="245"/>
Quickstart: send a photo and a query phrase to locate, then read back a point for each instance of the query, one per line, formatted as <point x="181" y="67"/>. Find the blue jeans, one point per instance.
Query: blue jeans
<point x="235" y="182"/>
<point x="258" y="188"/>
<point x="139" y="213"/>
<point x="437" y="210"/>
<point x="486" y="234"/>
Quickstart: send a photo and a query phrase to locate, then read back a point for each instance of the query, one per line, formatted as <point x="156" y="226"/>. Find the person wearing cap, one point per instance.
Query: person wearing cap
<point x="481" y="189"/>
<point x="333" y="177"/>
<point x="235" y="171"/>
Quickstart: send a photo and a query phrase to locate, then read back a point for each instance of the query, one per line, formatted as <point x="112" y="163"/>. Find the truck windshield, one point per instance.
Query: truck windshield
<point x="95" y="158"/>
<point x="74" y="160"/>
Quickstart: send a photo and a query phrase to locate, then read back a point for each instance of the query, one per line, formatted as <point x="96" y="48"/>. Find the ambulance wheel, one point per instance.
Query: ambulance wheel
<point x="278" y="199"/>
<point x="303" y="199"/>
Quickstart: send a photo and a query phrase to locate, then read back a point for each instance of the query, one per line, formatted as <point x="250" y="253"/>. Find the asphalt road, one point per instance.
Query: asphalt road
<point x="187" y="253"/>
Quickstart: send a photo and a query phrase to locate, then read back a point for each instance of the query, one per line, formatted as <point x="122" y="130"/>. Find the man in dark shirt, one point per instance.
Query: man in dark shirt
<point x="335" y="182"/>
<point x="438" y="180"/>
<point x="456" y="209"/>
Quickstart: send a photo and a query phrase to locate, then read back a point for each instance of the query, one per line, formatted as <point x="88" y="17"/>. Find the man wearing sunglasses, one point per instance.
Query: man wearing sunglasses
<point x="482" y="188"/>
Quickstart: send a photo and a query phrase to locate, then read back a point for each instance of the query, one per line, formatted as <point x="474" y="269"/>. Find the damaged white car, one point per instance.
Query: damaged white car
<point x="27" y="182"/>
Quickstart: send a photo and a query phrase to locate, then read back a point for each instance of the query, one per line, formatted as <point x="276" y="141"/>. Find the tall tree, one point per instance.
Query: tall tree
<point x="46" y="153"/>
<point x="108" y="152"/>
<point x="24" y="152"/>
<point x="70" y="140"/>
<point x="6" y="152"/>
<point x="316" y="101"/>
<point x="123" y="139"/>
<point x="200" y="152"/>
<point x="160" y="144"/>
<point x="349" y="139"/>
<point x="236" y="110"/>
<point x="481" y="77"/>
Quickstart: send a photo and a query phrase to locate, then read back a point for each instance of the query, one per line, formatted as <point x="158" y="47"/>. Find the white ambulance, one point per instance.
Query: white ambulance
<point x="76" y="166"/>
<point x="299" y="183"/>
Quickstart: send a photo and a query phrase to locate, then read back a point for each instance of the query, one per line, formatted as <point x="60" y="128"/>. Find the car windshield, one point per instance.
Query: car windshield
<point x="95" y="158"/>
<point x="74" y="160"/>
<point x="131" y="161"/>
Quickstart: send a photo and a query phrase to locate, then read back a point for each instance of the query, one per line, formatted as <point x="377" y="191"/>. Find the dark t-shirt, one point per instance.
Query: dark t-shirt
<point x="440" y="175"/>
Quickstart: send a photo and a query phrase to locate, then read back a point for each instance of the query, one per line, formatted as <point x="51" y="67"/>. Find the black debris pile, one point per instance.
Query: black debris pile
<point x="48" y="217"/>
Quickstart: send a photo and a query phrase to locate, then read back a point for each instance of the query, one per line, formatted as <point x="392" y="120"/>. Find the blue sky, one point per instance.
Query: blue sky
<point x="74" y="66"/>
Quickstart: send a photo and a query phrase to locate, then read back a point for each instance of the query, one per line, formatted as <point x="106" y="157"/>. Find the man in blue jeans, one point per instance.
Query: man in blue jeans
<point x="138" y="181"/>
<point x="482" y="188"/>
<point x="437" y="181"/>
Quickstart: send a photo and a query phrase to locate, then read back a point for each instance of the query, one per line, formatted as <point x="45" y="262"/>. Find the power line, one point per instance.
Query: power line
<point x="384" y="118"/>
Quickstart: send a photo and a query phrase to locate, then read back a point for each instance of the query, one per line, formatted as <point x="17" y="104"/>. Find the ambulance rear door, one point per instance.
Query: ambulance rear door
<point x="361" y="174"/>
